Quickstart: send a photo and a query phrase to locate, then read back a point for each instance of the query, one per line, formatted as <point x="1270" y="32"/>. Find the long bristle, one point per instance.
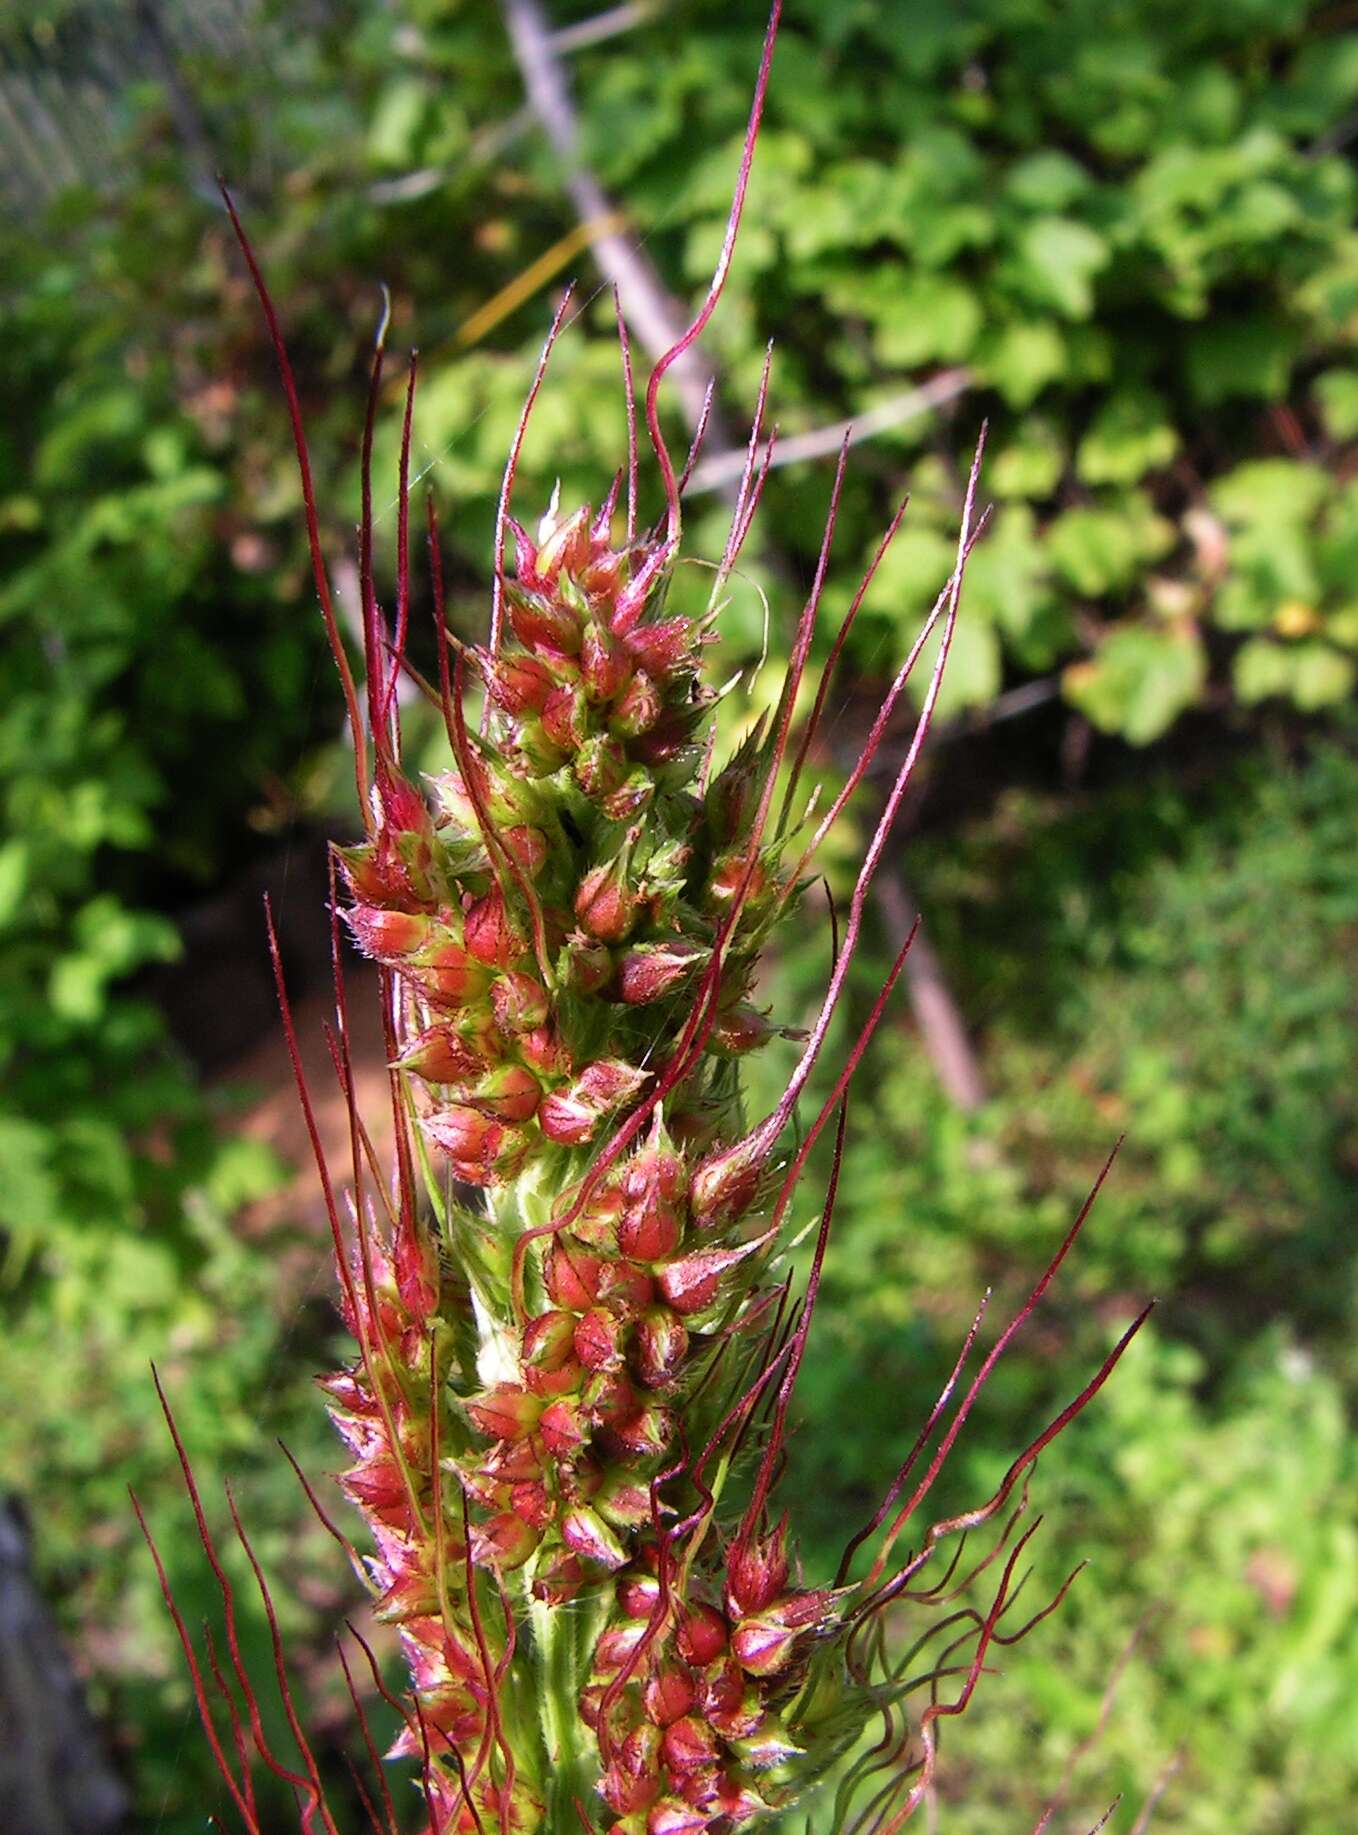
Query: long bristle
<point x="714" y="293"/>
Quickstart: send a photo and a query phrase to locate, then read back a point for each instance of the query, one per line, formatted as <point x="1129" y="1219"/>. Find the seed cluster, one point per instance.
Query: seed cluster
<point x="548" y="916"/>
<point x="691" y="1691"/>
<point x="568" y="881"/>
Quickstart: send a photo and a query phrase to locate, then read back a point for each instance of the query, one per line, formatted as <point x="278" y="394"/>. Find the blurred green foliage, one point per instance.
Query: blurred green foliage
<point x="1182" y="968"/>
<point x="160" y="701"/>
<point x="1134" y="229"/>
<point x="132" y="747"/>
<point x="1132" y="225"/>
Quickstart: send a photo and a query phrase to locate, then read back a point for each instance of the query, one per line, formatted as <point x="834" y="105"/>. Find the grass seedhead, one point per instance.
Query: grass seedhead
<point x="576" y="1335"/>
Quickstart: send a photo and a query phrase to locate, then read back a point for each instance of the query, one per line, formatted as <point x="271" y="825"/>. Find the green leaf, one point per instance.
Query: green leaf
<point x="1273" y="566"/>
<point x="1210" y="100"/>
<point x="242" y="1172"/>
<point x="1057" y="259"/>
<point x="1103" y="550"/>
<point x="936" y="234"/>
<point x="1243" y="603"/>
<point x="398" y="118"/>
<point x="1320" y="86"/>
<point x="1337" y="395"/>
<point x="1250" y="356"/>
<point x="21" y="513"/>
<point x="1312" y="674"/>
<point x="108" y="414"/>
<point x="933" y="315"/>
<point x="972" y="673"/>
<point x="1329" y="294"/>
<point x="123" y="940"/>
<point x="1130" y="435"/>
<point x="75" y="988"/>
<point x="1138" y="681"/>
<point x="1028" y="465"/>
<point x="913" y="570"/>
<point x="29" y="1194"/>
<point x="1021" y="358"/>
<point x="1321" y="676"/>
<point x="1047" y="181"/>
<point x="1261" y="670"/>
<point x="1341" y="627"/>
<point x="1265" y="492"/>
<point x="1007" y="570"/>
<point x="1092" y="354"/>
<point x="1009" y="582"/>
<point x="13" y="879"/>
